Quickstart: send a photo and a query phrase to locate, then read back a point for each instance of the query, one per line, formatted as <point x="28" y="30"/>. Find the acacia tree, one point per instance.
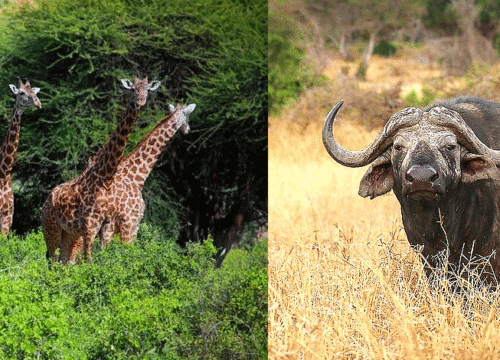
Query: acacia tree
<point x="478" y="49"/>
<point x="339" y="19"/>
<point x="381" y="17"/>
<point x="335" y="20"/>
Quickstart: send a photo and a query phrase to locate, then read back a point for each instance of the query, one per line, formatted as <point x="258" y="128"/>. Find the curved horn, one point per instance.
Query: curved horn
<point x="465" y="135"/>
<point x="383" y="140"/>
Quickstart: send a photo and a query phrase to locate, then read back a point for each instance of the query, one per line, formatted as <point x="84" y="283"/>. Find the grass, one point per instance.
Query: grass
<point x="344" y="283"/>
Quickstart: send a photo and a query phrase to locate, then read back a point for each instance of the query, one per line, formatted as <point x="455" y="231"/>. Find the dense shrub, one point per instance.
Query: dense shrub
<point x="289" y="74"/>
<point x="147" y="300"/>
<point x="384" y="48"/>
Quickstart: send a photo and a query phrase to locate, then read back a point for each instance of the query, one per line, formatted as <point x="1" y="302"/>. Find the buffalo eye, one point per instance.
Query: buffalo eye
<point x="398" y="147"/>
<point x="450" y="147"/>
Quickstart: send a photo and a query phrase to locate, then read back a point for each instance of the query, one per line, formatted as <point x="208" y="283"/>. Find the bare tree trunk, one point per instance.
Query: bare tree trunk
<point x="343" y="48"/>
<point x="367" y="55"/>
<point x="368" y="52"/>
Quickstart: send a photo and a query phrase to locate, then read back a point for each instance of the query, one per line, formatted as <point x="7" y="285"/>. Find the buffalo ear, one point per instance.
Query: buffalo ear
<point x="378" y="179"/>
<point x="478" y="167"/>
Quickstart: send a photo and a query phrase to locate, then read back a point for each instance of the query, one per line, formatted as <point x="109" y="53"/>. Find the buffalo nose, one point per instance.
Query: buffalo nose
<point x="421" y="174"/>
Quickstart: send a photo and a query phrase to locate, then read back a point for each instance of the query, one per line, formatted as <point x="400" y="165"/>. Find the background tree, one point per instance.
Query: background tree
<point x="374" y="19"/>
<point x="334" y="20"/>
<point x="479" y="49"/>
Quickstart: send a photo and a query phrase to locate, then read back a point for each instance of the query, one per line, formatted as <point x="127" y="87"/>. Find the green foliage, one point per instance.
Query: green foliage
<point x="147" y="300"/>
<point x="413" y="99"/>
<point x="208" y="52"/>
<point x="384" y="48"/>
<point x="289" y="76"/>
<point x="439" y="15"/>
<point x="238" y="294"/>
<point x="361" y="72"/>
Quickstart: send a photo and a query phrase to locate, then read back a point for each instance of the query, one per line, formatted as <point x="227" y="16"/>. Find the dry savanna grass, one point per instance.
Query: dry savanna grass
<point x="344" y="283"/>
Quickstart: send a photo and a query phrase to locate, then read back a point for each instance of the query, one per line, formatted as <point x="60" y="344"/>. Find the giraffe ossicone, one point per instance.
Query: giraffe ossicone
<point x="26" y="95"/>
<point x="183" y="116"/>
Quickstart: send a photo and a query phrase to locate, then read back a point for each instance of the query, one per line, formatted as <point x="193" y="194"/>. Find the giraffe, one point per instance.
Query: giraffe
<point x="72" y="214"/>
<point x="25" y="97"/>
<point x="126" y="205"/>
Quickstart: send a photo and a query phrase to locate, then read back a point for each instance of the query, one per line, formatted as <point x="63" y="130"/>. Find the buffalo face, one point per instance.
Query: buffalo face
<point x="425" y="163"/>
<point x="421" y="155"/>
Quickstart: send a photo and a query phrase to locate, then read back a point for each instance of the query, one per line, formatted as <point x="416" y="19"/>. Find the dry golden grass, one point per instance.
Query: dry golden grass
<point x="344" y="283"/>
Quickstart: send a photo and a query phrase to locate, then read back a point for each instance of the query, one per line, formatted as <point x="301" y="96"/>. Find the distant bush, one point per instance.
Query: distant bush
<point x="147" y="300"/>
<point x="427" y="98"/>
<point x="384" y="48"/>
<point x="289" y="75"/>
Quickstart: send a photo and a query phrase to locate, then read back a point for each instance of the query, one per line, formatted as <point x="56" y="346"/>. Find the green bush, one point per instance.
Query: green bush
<point x="289" y="75"/>
<point x="384" y="48"/>
<point x="427" y="98"/>
<point x="147" y="300"/>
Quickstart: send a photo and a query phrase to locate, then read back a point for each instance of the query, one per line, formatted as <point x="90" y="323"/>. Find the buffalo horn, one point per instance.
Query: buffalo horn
<point x="442" y="116"/>
<point x="383" y="140"/>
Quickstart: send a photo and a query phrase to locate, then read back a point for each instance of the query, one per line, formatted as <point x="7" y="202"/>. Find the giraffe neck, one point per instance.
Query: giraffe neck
<point x="108" y="158"/>
<point x="140" y="162"/>
<point x="10" y="143"/>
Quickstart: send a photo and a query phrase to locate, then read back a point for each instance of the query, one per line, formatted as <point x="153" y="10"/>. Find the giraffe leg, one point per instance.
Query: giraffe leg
<point x="106" y="232"/>
<point x="129" y="225"/>
<point x="4" y="224"/>
<point x="127" y="232"/>
<point x="51" y="229"/>
<point x="52" y="237"/>
<point x="92" y="226"/>
<point x="71" y="246"/>
<point x="7" y="218"/>
<point x="7" y="224"/>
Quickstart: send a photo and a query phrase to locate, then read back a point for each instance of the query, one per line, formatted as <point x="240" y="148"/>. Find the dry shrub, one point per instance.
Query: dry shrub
<point x="368" y="107"/>
<point x="457" y="54"/>
<point x="343" y="281"/>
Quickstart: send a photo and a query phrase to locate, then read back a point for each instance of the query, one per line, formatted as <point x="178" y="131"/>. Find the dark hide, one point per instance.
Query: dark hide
<point x="463" y="223"/>
<point x="462" y="220"/>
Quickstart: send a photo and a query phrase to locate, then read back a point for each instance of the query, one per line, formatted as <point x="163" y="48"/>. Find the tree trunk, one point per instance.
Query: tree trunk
<point x="367" y="55"/>
<point x="343" y="48"/>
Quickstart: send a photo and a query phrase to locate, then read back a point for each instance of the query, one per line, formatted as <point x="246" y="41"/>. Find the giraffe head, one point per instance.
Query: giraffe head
<point x="141" y="88"/>
<point x="183" y="116"/>
<point x="26" y="95"/>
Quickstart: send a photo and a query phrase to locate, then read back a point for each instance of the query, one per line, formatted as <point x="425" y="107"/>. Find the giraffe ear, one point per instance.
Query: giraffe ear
<point x="154" y="85"/>
<point x="127" y="84"/>
<point x="14" y="89"/>
<point x="171" y="108"/>
<point x="36" y="90"/>
<point x="189" y="109"/>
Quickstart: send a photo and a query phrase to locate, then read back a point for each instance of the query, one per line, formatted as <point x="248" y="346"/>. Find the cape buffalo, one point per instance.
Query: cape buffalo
<point x="441" y="163"/>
